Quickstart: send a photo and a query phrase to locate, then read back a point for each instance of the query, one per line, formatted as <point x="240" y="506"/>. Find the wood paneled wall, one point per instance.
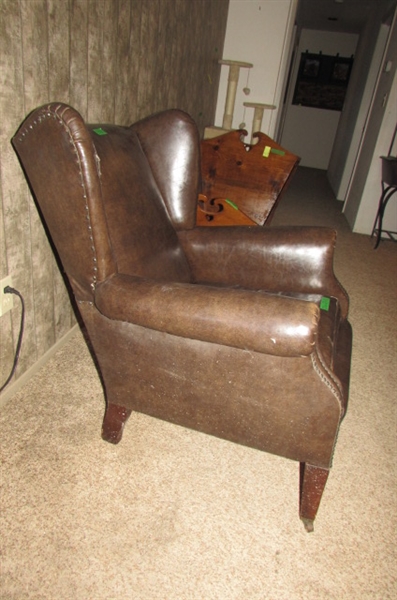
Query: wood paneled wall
<point x="115" y="61"/>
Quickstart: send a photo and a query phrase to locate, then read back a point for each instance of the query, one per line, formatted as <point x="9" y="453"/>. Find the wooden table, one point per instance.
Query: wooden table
<point x="245" y="180"/>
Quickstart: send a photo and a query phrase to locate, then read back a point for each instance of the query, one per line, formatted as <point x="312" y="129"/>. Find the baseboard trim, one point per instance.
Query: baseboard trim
<point x="24" y="378"/>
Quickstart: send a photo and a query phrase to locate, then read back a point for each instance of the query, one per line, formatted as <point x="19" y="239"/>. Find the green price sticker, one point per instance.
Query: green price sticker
<point x="324" y="303"/>
<point x="100" y="131"/>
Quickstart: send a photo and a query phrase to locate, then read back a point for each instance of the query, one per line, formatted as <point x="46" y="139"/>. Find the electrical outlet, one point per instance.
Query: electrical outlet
<point x="6" y="300"/>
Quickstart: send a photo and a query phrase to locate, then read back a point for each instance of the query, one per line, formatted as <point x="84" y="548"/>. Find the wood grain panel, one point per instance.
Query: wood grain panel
<point x="58" y="50"/>
<point x="122" y="94"/>
<point x="94" y="49"/>
<point x="147" y="83"/>
<point x="109" y="61"/>
<point x="36" y="77"/>
<point x="134" y="66"/>
<point x="16" y="259"/>
<point x="78" y="19"/>
<point x="114" y="61"/>
<point x="164" y="50"/>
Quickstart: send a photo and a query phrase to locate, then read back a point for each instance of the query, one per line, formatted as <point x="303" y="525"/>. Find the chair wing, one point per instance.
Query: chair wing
<point x="61" y="164"/>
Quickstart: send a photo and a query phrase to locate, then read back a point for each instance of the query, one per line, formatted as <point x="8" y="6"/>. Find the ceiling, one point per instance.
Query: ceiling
<point x="338" y="15"/>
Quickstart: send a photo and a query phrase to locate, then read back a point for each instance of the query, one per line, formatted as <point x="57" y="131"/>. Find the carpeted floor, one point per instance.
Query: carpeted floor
<point x="171" y="514"/>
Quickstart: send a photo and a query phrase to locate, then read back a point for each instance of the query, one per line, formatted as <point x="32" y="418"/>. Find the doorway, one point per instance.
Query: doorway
<point x="335" y="146"/>
<point x="357" y="201"/>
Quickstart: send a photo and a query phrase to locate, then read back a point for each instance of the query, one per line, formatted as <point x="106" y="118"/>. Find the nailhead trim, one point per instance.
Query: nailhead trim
<point x="335" y="389"/>
<point x="21" y="138"/>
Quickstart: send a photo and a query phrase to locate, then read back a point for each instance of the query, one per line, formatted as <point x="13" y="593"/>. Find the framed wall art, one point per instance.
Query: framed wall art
<point x="322" y="81"/>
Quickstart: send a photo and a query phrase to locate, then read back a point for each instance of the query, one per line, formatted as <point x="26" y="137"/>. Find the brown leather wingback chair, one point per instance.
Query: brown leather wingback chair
<point x="238" y="332"/>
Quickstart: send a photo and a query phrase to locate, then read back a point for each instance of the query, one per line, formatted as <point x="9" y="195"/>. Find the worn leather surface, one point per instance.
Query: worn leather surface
<point x="290" y="406"/>
<point x="282" y="259"/>
<point x="245" y="319"/>
<point x="218" y="329"/>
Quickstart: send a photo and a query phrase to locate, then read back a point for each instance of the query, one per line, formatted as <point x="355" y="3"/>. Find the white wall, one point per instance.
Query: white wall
<point x="368" y="57"/>
<point x="347" y="141"/>
<point x="372" y="190"/>
<point x="310" y="132"/>
<point x="258" y="32"/>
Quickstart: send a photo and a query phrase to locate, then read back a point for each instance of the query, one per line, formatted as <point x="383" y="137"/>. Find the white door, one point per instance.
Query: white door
<point x="372" y="127"/>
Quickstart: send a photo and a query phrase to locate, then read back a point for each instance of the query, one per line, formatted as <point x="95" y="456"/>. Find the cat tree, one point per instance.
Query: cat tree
<point x="232" y="82"/>
<point x="259" y="108"/>
<point x="258" y="115"/>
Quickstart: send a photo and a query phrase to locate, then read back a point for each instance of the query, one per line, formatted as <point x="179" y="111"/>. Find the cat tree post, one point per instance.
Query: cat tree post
<point x="258" y="115"/>
<point x="234" y="72"/>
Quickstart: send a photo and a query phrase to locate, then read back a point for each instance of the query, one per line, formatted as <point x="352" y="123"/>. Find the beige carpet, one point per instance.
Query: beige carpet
<point x="172" y="514"/>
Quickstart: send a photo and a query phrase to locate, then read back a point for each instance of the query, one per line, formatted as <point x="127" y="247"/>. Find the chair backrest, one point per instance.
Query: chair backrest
<point x="113" y="197"/>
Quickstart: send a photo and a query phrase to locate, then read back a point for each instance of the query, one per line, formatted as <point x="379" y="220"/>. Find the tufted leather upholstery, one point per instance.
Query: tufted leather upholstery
<point x="217" y="329"/>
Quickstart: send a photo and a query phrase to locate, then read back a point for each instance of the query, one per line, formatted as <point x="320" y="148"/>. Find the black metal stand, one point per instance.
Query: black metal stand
<point x="389" y="188"/>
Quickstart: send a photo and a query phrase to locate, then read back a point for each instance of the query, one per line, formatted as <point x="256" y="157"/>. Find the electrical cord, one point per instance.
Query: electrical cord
<point x="10" y="290"/>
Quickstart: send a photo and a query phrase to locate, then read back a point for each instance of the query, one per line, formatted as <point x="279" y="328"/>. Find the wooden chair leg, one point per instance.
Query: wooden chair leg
<point x="113" y="423"/>
<point x="312" y="484"/>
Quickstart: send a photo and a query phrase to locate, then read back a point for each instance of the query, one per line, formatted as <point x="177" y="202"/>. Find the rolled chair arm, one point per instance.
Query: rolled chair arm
<point x="278" y="259"/>
<point x="245" y="319"/>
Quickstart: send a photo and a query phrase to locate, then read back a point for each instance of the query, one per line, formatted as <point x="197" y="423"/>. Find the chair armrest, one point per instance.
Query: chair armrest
<point x="279" y="259"/>
<point x="243" y="319"/>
